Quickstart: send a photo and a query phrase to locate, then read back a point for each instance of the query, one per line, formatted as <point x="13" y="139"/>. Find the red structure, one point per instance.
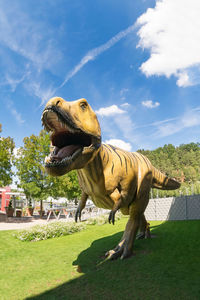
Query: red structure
<point x="4" y="198"/>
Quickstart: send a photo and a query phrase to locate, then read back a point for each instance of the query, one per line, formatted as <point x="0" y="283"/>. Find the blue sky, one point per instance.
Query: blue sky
<point x="136" y="62"/>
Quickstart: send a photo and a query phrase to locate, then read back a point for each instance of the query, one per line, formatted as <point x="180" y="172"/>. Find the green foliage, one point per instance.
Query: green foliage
<point x="181" y="163"/>
<point x="6" y="155"/>
<point x="29" y="164"/>
<point x="57" y="229"/>
<point x="102" y="219"/>
<point x="33" y="177"/>
<point x="51" y="230"/>
<point x="64" y="186"/>
<point x="73" y="190"/>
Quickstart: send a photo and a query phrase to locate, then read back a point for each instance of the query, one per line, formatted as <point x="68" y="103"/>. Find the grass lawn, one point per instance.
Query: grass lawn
<point x="164" y="267"/>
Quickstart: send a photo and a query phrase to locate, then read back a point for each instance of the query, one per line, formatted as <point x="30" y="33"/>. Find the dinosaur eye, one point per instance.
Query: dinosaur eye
<point x="83" y="105"/>
<point x="57" y="102"/>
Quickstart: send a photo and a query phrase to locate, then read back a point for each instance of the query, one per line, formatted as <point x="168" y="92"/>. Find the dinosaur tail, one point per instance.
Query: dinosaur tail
<point x="162" y="182"/>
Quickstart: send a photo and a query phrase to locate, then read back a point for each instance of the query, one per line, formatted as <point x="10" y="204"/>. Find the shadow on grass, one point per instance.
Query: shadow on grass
<point x="166" y="267"/>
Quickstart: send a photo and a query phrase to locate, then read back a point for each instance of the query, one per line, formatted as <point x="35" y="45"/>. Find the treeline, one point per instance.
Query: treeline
<point x="181" y="163"/>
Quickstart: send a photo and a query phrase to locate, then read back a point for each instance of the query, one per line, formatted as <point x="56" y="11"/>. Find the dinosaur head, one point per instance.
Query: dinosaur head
<point x="74" y="132"/>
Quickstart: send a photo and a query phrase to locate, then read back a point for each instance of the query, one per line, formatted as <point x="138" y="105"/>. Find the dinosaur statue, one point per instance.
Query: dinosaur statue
<point x="113" y="178"/>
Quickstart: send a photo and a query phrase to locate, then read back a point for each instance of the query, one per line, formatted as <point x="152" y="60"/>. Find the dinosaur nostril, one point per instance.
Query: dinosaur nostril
<point x="57" y="102"/>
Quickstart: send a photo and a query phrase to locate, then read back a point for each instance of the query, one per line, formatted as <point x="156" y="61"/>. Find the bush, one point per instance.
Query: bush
<point x="51" y="230"/>
<point x="102" y="219"/>
<point x="56" y="229"/>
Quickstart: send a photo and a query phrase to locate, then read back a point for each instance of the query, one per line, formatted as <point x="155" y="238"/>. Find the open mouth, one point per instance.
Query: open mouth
<point x="67" y="141"/>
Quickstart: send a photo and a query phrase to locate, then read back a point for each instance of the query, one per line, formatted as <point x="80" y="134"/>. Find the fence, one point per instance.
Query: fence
<point x="174" y="208"/>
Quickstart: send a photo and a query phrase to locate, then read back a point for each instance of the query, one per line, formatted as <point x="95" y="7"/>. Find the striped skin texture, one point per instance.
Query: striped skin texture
<point x="117" y="179"/>
<point x="116" y="169"/>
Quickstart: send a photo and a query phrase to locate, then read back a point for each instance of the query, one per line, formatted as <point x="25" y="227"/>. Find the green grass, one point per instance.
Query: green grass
<point x="164" y="267"/>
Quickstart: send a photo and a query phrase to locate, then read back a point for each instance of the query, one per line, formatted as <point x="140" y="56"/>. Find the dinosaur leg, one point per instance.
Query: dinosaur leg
<point x="144" y="229"/>
<point x="136" y="212"/>
<point x="81" y="206"/>
<point x="113" y="211"/>
<point x="125" y="246"/>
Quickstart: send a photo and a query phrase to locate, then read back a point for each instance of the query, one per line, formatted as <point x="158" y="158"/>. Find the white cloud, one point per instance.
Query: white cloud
<point x="14" y="82"/>
<point x="43" y="93"/>
<point x="34" y="47"/>
<point x="119" y="143"/>
<point x="150" y="104"/>
<point x="118" y="124"/>
<point x="92" y="54"/>
<point x="171" y="32"/>
<point x="183" y="79"/>
<point x="190" y="119"/>
<point x="29" y="39"/>
<point x="126" y="126"/>
<point x="14" y="112"/>
<point x="110" y="111"/>
<point x="169" y="127"/>
<point x="157" y="123"/>
<point x="123" y="91"/>
<point x="125" y="105"/>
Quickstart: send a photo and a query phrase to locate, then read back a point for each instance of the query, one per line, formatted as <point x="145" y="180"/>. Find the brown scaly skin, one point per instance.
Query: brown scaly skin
<point x="113" y="178"/>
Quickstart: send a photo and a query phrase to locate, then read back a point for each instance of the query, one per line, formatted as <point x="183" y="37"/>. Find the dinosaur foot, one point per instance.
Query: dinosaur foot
<point x="140" y="236"/>
<point x="146" y="234"/>
<point x="143" y="235"/>
<point x="111" y="217"/>
<point x="121" y="251"/>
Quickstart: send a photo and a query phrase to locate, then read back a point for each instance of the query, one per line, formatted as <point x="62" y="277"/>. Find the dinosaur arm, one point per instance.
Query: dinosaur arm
<point x="81" y="206"/>
<point x="117" y="199"/>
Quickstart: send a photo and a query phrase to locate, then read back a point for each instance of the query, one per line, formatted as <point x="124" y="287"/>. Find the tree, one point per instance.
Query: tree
<point x="31" y="172"/>
<point x="65" y="186"/>
<point x="73" y="190"/>
<point x="6" y="155"/>
<point x="182" y="163"/>
<point x="29" y="164"/>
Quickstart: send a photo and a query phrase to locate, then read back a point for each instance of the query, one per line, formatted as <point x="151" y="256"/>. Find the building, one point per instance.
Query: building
<point x="4" y="197"/>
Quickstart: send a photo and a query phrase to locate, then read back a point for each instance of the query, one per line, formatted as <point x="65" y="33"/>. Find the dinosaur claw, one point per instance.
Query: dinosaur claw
<point x="111" y="218"/>
<point x="122" y="251"/>
<point x="140" y="236"/>
<point x="113" y="254"/>
<point x="77" y="216"/>
<point x="107" y="254"/>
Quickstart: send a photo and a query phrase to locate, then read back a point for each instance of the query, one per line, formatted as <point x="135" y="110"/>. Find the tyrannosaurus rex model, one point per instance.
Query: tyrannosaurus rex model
<point x="113" y="178"/>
